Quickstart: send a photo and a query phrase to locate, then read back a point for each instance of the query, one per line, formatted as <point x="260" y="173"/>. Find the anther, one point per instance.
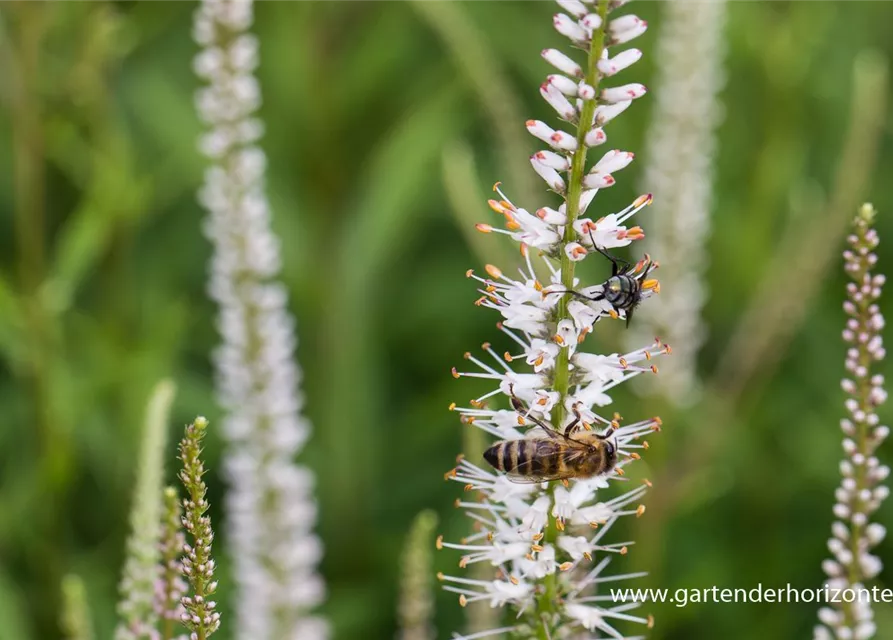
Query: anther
<point x="483" y="228"/>
<point x="619" y="471"/>
<point x="507" y="356"/>
<point x="643" y="200"/>
<point x="462" y="600"/>
<point x="623" y="551"/>
<point x="439" y="543"/>
<point x="566" y="566"/>
<point x="469" y="273"/>
<point x="452" y="406"/>
<point x="455" y="373"/>
<point x="640" y="510"/>
<point x="493" y="271"/>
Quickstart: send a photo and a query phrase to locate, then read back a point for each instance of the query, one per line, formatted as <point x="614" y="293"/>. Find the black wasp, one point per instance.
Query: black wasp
<point x="625" y="289"/>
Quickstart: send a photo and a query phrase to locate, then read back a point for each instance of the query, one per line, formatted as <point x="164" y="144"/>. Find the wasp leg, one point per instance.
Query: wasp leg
<point x="615" y="261"/>
<point x="595" y="298"/>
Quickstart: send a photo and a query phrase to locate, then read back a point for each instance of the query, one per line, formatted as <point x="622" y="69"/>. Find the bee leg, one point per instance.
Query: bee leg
<point x="575" y="423"/>
<point x="516" y="401"/>
<point x="607" y="434"/>
<point x="525" y="413"/>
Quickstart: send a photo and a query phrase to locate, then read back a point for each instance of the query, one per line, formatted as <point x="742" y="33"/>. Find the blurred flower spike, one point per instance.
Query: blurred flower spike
<point x="861" y="490"/>
<point x="271" y="511"/>
<point x="547" y="540"/>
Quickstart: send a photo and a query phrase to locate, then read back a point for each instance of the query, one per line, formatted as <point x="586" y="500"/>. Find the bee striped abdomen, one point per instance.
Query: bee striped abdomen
<point x="525" y="457"/>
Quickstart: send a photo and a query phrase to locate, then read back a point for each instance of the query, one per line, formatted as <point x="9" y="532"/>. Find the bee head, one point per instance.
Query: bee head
<point x="610" y="445"/>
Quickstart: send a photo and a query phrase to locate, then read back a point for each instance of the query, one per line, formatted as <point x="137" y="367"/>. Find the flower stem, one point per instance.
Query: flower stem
<point x="561" y="381"/>
<point x="574" y="191"/>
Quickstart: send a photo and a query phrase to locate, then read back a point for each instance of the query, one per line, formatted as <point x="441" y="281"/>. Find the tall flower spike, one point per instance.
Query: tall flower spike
<point x="546" y="542"/>
<point x="200" y="615"/>
<point x="138" y="618"/>
<point x="861" y="490"/>
<point x="678" y="168"/>
<point x="270" y="507"/>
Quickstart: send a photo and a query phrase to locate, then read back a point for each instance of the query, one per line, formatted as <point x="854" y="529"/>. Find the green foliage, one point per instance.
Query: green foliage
<point x="103" y="269"/>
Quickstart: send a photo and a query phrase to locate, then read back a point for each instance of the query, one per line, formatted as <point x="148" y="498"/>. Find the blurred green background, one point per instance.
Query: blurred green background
<point x="103" y="263"/>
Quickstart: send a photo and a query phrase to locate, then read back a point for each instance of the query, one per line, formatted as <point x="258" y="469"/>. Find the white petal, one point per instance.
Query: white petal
<point x="563" y="63"/>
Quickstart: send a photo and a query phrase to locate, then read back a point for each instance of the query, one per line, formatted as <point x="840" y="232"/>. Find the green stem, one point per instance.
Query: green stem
<point x="546" y="604"/>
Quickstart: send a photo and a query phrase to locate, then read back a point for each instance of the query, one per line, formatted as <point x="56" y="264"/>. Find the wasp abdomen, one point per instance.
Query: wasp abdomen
<point x="622" y="291"/>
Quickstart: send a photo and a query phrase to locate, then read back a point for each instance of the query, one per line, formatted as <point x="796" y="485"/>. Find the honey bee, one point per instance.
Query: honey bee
<point x="555" y="455"/>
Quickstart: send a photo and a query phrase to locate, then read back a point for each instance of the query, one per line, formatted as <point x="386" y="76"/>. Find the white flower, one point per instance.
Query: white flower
<point x="270" y="506"/>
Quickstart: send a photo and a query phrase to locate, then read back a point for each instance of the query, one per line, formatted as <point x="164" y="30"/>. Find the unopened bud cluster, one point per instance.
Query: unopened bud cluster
<point x="861" y="491"/>
<point x="200" y="616"/>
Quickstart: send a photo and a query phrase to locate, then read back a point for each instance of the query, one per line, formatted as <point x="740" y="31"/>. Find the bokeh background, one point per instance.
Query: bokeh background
<point x="382" y="141"/>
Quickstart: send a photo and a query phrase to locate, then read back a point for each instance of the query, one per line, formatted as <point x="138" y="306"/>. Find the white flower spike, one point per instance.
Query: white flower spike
<point x="546" y="540"/>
